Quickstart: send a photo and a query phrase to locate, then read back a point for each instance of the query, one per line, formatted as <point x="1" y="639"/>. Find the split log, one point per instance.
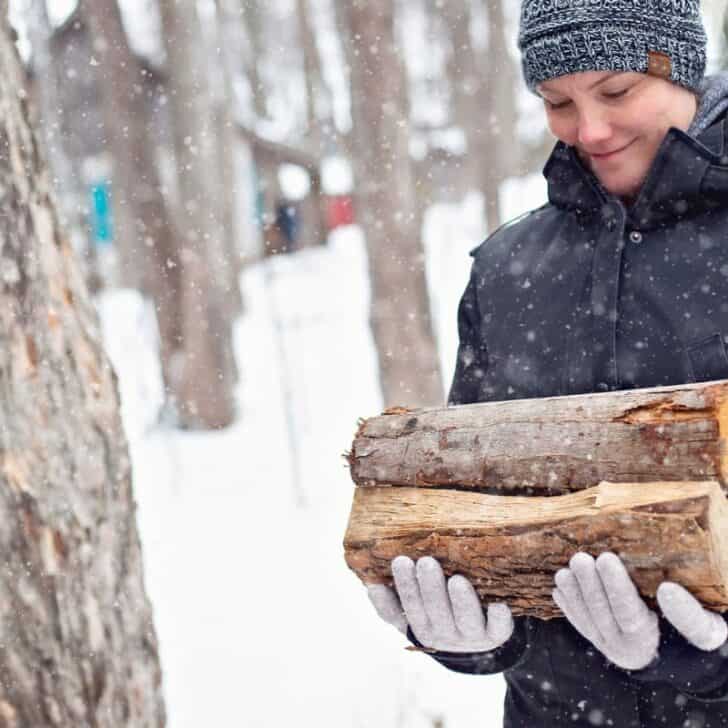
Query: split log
<point x="510" y="547"/>
<point x="550" y="446"/>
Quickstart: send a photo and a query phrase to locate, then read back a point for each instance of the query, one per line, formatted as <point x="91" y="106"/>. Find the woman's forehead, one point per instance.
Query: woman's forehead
<point x="584" y="81"/>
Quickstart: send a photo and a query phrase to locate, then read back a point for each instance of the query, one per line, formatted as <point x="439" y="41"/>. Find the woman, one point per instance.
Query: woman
<point x="620" y="281"/>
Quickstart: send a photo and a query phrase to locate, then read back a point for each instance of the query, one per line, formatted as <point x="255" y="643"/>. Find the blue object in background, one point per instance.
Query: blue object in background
<point x="102" y="224"/>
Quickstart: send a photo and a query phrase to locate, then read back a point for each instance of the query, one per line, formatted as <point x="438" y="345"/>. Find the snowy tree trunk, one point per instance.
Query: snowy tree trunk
<point x="552" y="445"/>
<point x="79" y="647"/>
<point x="387" y="209"/>
<point x="143" y="232"/>
<point x="510" y="547"/>
<point x="205" y="374"/>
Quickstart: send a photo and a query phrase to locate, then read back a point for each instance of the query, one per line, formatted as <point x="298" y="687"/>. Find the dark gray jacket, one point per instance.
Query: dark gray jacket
<point x="583" y="295"/>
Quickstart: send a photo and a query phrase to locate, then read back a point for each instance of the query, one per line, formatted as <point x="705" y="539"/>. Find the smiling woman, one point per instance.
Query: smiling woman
<point x="616" y="122"/>
<point x="620" y="281"/>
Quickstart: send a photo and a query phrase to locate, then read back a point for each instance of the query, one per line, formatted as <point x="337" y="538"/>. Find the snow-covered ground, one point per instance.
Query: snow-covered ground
<point x="260" y="622"/>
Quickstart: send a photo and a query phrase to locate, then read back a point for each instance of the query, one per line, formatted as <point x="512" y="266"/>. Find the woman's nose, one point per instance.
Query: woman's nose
<point x="594" y="128"/>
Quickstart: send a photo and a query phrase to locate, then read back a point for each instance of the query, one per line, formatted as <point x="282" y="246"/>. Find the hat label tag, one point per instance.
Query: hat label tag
<point x="659" y="64"/>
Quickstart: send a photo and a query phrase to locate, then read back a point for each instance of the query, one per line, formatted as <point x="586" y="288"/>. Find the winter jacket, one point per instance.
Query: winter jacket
<point x="585" y="295"/>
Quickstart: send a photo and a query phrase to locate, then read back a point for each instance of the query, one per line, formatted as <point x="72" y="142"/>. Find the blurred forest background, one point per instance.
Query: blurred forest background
<point x="187" y="138"/>
<point x="270" y="205"/>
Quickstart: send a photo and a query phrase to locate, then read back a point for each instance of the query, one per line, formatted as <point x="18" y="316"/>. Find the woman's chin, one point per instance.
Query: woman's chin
<point x="623" y="189"/>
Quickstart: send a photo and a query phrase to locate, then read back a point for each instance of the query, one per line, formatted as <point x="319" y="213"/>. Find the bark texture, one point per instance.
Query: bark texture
<point x="144" y="233"/>
<point x="553" y="445"/>
<point x="387" y="208"/>
<point x="205" y="372"/>
<point x="510" y="547"/>
<point x="78" y="643"/>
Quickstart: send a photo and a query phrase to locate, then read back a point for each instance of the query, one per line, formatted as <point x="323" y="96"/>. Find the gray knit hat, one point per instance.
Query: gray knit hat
<point x="664" y="38"/>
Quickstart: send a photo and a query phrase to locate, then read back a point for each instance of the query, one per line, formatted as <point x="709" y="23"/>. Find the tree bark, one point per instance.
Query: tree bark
<point x="510" y="547"/>
<point x="78" y="646"/>
<point x="387" y="209"/>
<point x="205" y="374"/>
<point x="553" y="445"/>
<point x="252" y="11"/>
<point x="144" y="232"/>
<point x="62" y="94"/>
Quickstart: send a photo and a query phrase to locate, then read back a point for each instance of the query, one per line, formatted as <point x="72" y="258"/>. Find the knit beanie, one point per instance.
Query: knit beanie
<point x="664" y="38"/>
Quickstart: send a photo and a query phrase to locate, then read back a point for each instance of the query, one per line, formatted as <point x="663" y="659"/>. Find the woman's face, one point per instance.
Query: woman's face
<point x="616" y="122"/>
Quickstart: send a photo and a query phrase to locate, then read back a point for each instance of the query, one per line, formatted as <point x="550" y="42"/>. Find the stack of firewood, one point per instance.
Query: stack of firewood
<point x="506" y="492"/>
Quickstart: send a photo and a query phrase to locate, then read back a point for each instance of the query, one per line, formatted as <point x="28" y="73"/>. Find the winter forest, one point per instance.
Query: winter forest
<point x="233" y="228"/>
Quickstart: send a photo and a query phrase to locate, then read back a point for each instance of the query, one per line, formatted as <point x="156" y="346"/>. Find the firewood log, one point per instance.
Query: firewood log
<point x="511" y="546"/>
<point x="550" y="446"/>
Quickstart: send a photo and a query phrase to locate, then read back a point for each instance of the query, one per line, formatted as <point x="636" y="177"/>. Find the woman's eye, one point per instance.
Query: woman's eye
<point x="616" y="94"/>
<point x="560" y="105"/>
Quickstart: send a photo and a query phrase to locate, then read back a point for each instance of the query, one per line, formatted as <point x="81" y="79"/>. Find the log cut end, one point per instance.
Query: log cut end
<point x="722" y="410"/>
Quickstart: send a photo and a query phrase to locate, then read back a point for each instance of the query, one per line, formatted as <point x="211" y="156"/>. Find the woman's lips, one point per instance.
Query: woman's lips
<point x="609" y="155"/>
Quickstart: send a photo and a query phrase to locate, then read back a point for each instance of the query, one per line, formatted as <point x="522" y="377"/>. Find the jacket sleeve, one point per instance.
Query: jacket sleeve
<point x="472" y="357"/>
<point x="698" y="674"/>
<point x="511" y="654"/>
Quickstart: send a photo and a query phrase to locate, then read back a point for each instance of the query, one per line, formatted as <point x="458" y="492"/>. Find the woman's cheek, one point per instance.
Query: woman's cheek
<point x="563" y="129"/>
<point x="562" y="124"/>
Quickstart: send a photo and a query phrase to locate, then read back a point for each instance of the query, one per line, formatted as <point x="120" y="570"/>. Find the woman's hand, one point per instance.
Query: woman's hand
<point x="602" y="603"/>
<point x="703" y="629"/>
<point x="444" y="615"/>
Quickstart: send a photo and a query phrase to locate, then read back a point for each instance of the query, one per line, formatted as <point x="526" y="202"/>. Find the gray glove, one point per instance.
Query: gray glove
<point x="602" y="603"/>
<point x="444" y="615"/>
<point x="703" y="629"/>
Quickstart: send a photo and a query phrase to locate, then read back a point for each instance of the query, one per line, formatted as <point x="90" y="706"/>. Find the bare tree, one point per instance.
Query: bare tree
<point x="144" y="230"/>
<point x="387" y="208"/>
<point x="62" y="91"/>
<point x="483" y="84"/>
<point x="220" y="38"/>
<point x="79" y="646"/>
<point x="253" y="23"/>
<point x="205" y="372"/>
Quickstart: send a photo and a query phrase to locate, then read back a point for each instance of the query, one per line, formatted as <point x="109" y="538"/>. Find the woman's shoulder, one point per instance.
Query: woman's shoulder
<point x="518" y="229"/>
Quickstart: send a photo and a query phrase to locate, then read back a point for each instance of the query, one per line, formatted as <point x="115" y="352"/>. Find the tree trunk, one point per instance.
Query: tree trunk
<point x="57" y="97"/>
<point x="483" y="101"/>
<point x="511" y="547"/>
<point x="553" y="445"/>
<point x="252" y="10"/>
<point x="144" y="231"/>
<point x="205" y="375"/>
<point x="220" y="56"/>
<point x="387" y="209"/>
<point x="79" y="647"/>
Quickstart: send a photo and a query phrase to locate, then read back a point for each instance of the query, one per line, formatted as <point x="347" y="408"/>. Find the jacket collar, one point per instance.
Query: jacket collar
<point x="687" y="175"/>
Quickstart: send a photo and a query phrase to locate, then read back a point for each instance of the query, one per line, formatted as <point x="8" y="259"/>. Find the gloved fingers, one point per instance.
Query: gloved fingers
<point x="628" y="607"/>
<point x="433" y="589"/>
<point x="584" y="569"/>
<point x="388" y="606"/>
<point x="569" y="599"/>
<point x="469" y="617"/>
<point x="578" y="616"/>
<point x="408" y="589"/>
<point x="704" y="629"/>
<point x="500" y="624"/>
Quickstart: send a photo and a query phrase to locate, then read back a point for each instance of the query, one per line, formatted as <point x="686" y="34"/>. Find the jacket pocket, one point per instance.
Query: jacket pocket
<point x="708" y="359"/>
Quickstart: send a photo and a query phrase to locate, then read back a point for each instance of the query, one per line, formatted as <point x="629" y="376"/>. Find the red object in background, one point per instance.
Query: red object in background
<point x="340" y="211"/>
